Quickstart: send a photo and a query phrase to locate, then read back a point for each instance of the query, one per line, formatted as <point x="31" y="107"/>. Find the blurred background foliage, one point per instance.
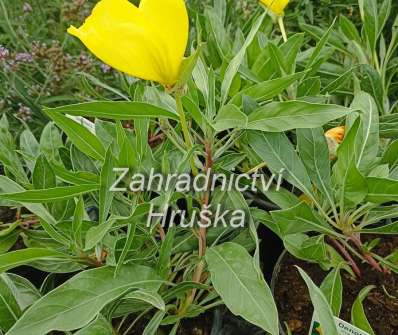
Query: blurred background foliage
<point x="40" y="65"/>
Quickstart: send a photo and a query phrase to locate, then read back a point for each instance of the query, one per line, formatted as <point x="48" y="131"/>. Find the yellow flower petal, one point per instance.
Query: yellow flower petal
<point x="147" y="42"/>
<point x="337" y="134"/>
<point x="277" y="6"/>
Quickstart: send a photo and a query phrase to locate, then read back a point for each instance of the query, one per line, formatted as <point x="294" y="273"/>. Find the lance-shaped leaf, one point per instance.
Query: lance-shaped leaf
<point x="314" y="153"/>
<point x="100" y="326"/>
<point x="114" y="110"/>
<point x="381" y="190"/>
<point x="9" y="308"/>
<point x="80" y="136"/>
<point x="76" y="303"/>
<point x="266" y="90"/>
<point x="358" y="316"/>
<point x="300" y="219"/>
<point x="50" y="194"/>
<point x="287" y="115"/>
<point x="276" y="150"/>
<point x="17" y="258"/>
<point x="321" y="306"/>
<point x="236" y="280"/>
<point x="332" y="288"/>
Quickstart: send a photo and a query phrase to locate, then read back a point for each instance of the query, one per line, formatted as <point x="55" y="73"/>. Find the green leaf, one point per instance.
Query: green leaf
<point x="50" y="142"/>
<point x="300" y="219"/>
<point x="8" y="155"/>
<point x="310" y="249"/>
<point x="321" y="306"/>
<point x="9" y="308"/>
<point x="388" y="229"/>
<point x="153" y="325"/>
<point x="235" y="63"/>
<point x="17" y="258"/>
<point x="230" y="116"/>
<point x="8" y="241"/>
<point x="358" y="316"/>
<point x="74" y="304"/>
<point x="79" y="135"/>
<point x="29" y="148"/>
<point x="24" y="291"/>
<point x="77" y="222"/>
<point x="276" y="150"/>
<point x="107" y="179"/>
<point x="100" y="326"/>
<point x="384" y="14"/>
<point x="370" y="16"/>
<point x="187" y="66"/>
<point x="130" y="238"/>
<point x="237" y="281"/>
<point x="43" y="175"/>
<point x="165" y="252"/>
<point x="332" y="288"/>
<point x="150" y="297"/>
<point x="371" y="82"/>
<point x="277" y="58"/>
<point x="77" y="178"/>
<point x="352" y="185"/>
<point x="339" y="82"/>
<point x="266" y="90"/>
<point x="47" y="220"/>
<point x="283" y="116"/>
<point x="96" y="234"/>
<point x="381" y="190"/>
<point x="349" y="29"/>
<point x="319" y="47"/>
<point x="353" y="188"/>
<point x="50" y="195"/>
<point x="290" y="49"/>
<point x="314" y="153"/>
<point x="114" y="110"/>
<point x="390" y="157"/>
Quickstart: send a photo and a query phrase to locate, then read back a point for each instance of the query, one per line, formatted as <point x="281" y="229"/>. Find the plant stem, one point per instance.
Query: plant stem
<point x="202" y="238"/>
<point x="346" y="255"/>
<point x="185" y="130"/>
<point x="282" y="27"/>
<point x="366" y="255"/>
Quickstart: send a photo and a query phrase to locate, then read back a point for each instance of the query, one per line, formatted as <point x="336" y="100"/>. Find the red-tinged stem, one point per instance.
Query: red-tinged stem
<point x="366" y="255"/>
<point x="346" y="255"/>
<point x="197" y="276"/>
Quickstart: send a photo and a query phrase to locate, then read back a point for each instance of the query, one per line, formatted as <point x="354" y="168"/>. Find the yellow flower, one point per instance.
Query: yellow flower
<point x="146" y="42"/>
<point x="334" y="137"/>
<point x="337" y="134"/>
<point x="276" y="6"/>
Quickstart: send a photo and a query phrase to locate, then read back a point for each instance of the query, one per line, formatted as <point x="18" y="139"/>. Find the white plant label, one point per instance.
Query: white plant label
<point x="343" y="328"/>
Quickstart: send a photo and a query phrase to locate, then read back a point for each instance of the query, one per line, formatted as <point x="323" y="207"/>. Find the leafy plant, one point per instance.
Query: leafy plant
<point x="227" y="111"/>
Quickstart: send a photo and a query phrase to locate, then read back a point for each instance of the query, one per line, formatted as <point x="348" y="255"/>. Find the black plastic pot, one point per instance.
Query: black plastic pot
<point x="274" y="280"/>
<point x="225" y="323"/>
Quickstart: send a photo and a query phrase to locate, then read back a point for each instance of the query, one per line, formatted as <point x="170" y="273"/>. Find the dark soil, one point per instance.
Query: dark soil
<point x="7" y="215"/>
<point x="218" y="321"/>
<point x="294" y="303"/>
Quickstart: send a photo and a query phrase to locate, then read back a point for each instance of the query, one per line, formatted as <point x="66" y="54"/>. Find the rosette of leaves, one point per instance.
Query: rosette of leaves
<point x="336" y="202"/>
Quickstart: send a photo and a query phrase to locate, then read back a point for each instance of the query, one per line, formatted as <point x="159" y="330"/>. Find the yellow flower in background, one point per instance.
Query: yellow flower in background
<point x="334" y="137"/>
<point x="337" y="134"/>
<point x="147" y="42"/>
<point x="276" y="6"/>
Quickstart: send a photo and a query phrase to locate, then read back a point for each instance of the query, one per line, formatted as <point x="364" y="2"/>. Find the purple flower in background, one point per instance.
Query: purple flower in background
<point x="24" y="57"/>
<point x="4" y="53"/>
<point x="105" y="68"/>
<point x="27" y="8"/>
<point x="24" y="112"/>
